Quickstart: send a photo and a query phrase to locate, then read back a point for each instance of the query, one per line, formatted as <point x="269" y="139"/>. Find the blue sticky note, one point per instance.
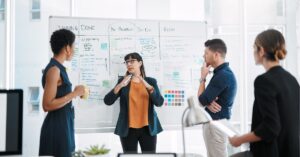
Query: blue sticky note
<point x="103" y="46"/>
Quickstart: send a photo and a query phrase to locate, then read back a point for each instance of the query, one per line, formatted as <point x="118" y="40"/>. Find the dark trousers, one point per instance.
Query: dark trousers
<point x="243" y="154"/>
<point x="142" y="136"/>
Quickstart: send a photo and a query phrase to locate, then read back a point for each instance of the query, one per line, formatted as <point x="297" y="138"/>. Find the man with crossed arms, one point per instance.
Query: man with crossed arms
<point x="218" y="96"/>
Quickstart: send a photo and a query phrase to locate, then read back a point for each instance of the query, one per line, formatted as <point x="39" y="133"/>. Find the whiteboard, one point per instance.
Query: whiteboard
<point x="172" y="52"/>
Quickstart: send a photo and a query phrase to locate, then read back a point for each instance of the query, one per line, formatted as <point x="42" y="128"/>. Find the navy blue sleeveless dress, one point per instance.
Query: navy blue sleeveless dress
<point x="57" y="133"/>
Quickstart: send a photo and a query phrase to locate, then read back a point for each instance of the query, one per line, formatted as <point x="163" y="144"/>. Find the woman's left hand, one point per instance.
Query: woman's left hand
<point x="147" y="85"/>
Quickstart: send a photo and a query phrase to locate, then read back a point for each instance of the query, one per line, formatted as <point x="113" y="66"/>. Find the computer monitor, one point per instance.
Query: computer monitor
<point x="147" y="155"/>
<point x="11" y="120"/>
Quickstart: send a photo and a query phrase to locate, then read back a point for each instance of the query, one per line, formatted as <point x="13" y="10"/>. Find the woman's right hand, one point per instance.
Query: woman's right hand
<point x="122" y="84"/>
<point x="125" y="81"/>
<point x="79" y="90"/>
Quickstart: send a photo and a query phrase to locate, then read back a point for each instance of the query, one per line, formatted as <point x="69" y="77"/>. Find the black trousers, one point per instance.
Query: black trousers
<point x="243" y="154"/>
<point x="142" y="136"/>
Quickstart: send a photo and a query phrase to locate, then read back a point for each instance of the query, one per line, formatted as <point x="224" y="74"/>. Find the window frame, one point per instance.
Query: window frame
<point x="35" y="10"/>
<point x="2" y="10"/>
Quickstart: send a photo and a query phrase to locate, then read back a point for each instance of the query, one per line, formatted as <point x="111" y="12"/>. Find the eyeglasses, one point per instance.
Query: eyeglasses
<point x="130" y="61"/>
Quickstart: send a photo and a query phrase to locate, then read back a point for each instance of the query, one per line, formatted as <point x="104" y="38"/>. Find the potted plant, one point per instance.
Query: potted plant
<point x="96" y="151"/>
<point x="78" y="153"/>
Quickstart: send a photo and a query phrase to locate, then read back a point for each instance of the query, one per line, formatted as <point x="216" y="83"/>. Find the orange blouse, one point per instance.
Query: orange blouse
<point x="138" y="105"/>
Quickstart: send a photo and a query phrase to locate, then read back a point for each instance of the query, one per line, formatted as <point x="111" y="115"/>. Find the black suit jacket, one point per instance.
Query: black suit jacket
<point x="275" y="116"/>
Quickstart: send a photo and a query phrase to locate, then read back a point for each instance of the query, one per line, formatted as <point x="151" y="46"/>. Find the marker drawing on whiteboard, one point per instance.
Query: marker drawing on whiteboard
<point x="106" y="64"/>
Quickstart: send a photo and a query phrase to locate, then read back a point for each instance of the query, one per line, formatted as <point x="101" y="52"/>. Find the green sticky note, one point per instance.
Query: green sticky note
<point x="106" y="84"/>
<point x="176" y="74"/>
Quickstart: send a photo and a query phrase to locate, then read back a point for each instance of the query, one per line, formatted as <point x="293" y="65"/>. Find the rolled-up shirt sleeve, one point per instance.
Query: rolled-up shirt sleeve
<point x="214" y="88"/>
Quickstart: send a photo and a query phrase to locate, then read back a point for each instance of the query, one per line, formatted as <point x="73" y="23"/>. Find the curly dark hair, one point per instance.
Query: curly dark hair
<point x="61" y="38"/>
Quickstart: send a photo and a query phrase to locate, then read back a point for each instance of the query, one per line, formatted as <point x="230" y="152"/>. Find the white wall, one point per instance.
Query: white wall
<point x="265" y="12"/>
<point x="298" y="35"/>
<point x="192" y="10"/>
<point x="154" y="9"/>
<point x="224" y="12"/>
<point x="105" y="8"/>
<point x="2" y="53"/>
<point x="31" y="50"/>
<point x="291" y="36"/>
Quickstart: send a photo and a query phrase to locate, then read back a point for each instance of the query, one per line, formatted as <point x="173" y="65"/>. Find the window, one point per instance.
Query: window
<point x="36" y="10"/>
<point x="111" y="9"/>
<point x="2" y="10"/>
<point x="280" y="8"/>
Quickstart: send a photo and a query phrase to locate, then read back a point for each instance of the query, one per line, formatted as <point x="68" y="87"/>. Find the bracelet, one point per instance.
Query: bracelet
<point x="202" y="80"/>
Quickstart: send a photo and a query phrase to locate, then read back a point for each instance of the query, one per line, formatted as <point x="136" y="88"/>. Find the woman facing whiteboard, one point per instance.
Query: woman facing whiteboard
<point x="138" y="121"/>
<point x="275" y="118"/>
<point x="57" y="133"/>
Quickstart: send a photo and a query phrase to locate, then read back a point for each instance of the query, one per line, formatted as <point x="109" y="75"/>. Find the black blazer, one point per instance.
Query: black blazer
<point x="155" y="98"/>
<point x="275" y="116"/>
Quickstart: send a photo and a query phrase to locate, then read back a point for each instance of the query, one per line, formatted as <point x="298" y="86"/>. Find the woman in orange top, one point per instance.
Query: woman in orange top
<point x="138" y="121"/>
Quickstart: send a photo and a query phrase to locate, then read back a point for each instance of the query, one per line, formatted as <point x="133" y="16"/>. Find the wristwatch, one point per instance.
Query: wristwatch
<point x="202" y="80"/>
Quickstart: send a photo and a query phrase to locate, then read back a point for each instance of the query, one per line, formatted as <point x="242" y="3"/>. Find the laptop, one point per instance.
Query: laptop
<point x="147" y="155"/>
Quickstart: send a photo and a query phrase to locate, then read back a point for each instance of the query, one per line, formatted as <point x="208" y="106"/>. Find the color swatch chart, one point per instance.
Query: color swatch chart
<point x="174" y="97"/>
